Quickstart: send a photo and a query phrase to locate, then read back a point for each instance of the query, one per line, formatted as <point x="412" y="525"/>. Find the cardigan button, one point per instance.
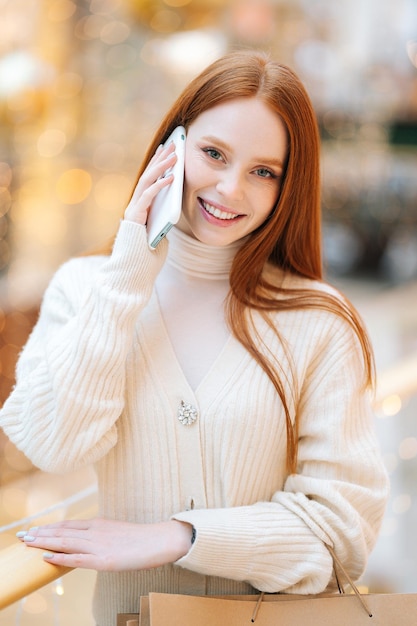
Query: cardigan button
<point x="187" y="413"/>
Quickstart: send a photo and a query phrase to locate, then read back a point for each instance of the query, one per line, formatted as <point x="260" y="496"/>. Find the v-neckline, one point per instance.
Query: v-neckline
<point x="166" y="363"/>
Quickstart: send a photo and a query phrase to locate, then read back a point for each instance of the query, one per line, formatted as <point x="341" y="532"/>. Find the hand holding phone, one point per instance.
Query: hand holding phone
<point x="166" y="207"/>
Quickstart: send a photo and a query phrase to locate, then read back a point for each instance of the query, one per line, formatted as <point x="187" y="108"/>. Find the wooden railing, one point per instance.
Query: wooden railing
<point x="23" y="570"/>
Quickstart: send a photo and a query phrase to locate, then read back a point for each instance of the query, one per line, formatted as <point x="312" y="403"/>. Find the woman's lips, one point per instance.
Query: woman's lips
<point x="216" y="215"/>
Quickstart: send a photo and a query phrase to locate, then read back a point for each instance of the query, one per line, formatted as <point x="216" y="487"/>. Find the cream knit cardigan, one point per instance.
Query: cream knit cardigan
<point x="98" y="382"/>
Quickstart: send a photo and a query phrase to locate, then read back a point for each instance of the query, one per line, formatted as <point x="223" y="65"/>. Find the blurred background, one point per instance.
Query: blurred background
<point x="83" y="85"/>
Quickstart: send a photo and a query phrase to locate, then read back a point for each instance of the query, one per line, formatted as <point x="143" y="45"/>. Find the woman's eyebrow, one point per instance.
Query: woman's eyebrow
<point x="272" y="161"/>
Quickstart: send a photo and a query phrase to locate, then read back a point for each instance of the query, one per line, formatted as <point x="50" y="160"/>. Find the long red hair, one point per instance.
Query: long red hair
<point x="291" y="237"/>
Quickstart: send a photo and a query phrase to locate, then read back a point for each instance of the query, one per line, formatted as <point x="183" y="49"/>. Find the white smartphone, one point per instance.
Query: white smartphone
<point x="165" y="210"/>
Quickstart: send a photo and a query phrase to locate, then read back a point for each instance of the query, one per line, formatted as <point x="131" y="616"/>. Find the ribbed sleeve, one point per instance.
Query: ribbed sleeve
<point x="71" y="375"/>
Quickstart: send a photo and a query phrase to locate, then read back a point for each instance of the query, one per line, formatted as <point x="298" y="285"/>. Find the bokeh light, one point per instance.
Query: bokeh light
<point x="35" y="604"/>
<point x="61" y="10"/>
<point x="112" y="192"/>
<point x="73" y="186"/>
<point x="391" y="405"/>
<point x="408" y="448"/>
<point x="51" y="142"/>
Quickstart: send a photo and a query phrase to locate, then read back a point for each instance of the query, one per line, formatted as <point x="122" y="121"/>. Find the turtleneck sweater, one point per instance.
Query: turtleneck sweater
<point x="101" y="381"/>
<point x="192" y="287"/>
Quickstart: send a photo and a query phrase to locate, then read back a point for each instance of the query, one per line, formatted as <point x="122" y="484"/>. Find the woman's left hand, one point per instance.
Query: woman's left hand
<point x="110" y="545"/>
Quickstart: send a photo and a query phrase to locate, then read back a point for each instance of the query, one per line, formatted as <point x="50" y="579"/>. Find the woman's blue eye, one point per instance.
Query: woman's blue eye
<point x="264" y="173"/>
<point x="213" y="153"/>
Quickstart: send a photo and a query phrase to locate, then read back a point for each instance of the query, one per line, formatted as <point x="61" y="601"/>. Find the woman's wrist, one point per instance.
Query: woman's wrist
<point x="179" y="538"/>
<point x="182" y="537"/>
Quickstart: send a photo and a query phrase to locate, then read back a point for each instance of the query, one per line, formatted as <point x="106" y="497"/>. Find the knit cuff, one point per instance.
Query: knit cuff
<point x="263" y="544"/>
<point x="132" y="263"/>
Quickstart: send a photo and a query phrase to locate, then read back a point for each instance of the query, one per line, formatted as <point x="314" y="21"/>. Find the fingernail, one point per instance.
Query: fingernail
<point x="21" y="533"/>
<point x="31" y="530"/>
<point x="48" y="555"/>
<point x="28" y="538"/>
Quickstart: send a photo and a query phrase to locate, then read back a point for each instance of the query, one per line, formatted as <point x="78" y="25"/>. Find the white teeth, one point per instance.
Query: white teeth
<point x="221" y="215"/>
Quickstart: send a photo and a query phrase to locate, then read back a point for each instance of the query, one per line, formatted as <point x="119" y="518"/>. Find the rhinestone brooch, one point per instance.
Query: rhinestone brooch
<point x="187" y="413"/>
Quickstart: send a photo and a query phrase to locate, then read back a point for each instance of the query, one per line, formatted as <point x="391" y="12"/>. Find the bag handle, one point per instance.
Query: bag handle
<point x="337" y="564"/>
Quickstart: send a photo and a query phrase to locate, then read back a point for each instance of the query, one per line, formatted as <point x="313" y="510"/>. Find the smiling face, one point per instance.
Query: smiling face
<point x="234" y="161"/>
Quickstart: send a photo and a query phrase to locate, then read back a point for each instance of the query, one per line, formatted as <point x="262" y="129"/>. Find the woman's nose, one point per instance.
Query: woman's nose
<point x="231" y="184"/>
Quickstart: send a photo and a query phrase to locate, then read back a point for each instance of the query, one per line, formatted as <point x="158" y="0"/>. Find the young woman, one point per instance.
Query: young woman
<point x="219" y="386"/>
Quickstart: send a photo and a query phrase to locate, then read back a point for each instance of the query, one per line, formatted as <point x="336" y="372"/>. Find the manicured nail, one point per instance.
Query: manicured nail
<point x="21" y="533"/>
<point x="29" y="538"/>
<point x="31" y="530"/>
<point x="48" y="555"/>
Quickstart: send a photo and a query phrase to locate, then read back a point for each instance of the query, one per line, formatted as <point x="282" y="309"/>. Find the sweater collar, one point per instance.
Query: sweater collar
<point x="199" y="260"/>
